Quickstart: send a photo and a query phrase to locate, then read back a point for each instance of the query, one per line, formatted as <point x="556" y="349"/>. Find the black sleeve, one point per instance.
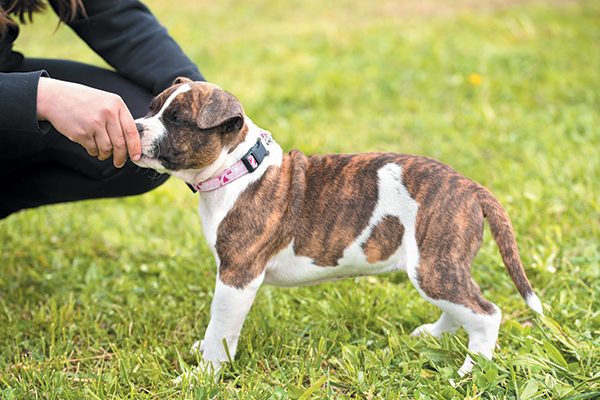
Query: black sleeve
<point x="129" y="37"/>
<point x="18" y="108"/>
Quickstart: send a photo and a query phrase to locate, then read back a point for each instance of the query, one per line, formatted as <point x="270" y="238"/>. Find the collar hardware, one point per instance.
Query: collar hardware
<point x="255" y="156"/>
<point x="247" y="164"/>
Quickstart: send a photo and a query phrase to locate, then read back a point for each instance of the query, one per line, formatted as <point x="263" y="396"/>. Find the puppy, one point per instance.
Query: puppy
<point x="286" y="219"/>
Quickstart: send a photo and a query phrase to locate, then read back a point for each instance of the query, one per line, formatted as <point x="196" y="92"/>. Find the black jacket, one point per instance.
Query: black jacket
<point x="123" y="32"/>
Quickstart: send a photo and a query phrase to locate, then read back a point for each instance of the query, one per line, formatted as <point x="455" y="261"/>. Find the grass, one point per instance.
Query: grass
<point x="102" y="299"/>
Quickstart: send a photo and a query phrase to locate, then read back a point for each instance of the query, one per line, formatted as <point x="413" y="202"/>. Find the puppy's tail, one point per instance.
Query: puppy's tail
<point x="504" y="236"/>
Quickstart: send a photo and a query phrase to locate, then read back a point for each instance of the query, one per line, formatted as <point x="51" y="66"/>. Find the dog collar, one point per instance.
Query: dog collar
<point x="247" y="164"/>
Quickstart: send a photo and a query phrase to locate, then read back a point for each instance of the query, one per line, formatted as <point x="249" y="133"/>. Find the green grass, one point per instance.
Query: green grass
<point x="102" y="299"/>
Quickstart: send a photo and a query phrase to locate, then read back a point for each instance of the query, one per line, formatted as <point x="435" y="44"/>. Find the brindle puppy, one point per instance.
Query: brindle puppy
<point x="288" y="219"/>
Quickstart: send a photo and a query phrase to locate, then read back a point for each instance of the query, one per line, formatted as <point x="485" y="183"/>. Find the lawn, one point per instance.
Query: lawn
<point x="103" y="299"/>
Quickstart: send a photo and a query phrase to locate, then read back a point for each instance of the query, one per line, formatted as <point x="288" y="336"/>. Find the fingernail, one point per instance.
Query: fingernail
<point x="137" y="157"/>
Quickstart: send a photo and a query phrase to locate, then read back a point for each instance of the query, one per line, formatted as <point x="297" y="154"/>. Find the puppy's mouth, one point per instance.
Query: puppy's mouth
<point x="149" y="153"/>
<point x="151" y="160"/>
<point x="145" y="161"/>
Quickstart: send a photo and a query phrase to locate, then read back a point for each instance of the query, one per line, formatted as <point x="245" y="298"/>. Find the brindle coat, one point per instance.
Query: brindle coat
<point x="323" y="203"/>
<point x="318" y="207"/>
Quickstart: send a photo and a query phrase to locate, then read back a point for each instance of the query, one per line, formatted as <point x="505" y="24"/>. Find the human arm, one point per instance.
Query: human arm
<point x="126" y="34"/>
<point x="18" y="106"/>
<point x="97" y="120"/>
<point x="129" y="37"/>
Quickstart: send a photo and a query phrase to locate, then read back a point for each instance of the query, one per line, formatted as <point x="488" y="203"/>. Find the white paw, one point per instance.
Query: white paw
<point x="192" y="376"/>
<point x="197" y="347"/>
<point x="423" y="330"/>
<point x="188" y="376"/>
<point x="466" y="367"/>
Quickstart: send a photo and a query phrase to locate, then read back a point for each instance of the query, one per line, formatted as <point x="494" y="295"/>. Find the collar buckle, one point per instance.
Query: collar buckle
<point x="254" y="157"/>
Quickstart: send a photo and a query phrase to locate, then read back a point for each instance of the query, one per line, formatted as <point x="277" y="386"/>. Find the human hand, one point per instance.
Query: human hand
<point x="98" y="120"/>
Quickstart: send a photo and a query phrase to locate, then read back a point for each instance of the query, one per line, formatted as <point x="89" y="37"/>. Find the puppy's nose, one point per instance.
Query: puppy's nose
<point x="140" y="129"/>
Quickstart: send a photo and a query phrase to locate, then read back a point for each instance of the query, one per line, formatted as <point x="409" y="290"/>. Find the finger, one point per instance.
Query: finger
<point x="86" y="141"/>
<point x="117" y="138"/>
<point x="91" y="146"/>
<point x="132" y="137"/>
<point x="104" y="144"/>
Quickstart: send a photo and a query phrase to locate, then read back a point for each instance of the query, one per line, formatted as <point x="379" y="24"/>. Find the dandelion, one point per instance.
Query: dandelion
<point x="475" y="79"/>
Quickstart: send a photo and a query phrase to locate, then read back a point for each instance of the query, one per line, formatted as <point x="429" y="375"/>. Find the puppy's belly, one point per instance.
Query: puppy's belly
<point x="288" y="269"/>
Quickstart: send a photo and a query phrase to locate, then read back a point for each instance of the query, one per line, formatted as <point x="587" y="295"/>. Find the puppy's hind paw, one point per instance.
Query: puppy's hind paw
<point x="466" y="367"/>
<point x="197" y="347"/>
<point x="200" y="373"/>
<point x="187" y="376"/>
<point x="424" y="330"/>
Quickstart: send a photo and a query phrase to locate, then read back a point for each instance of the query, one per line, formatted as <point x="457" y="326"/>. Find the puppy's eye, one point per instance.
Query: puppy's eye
<point x="174" y="118"/>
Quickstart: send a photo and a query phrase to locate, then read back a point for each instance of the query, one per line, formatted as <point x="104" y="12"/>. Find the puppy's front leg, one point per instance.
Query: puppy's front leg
<point x="228" y="311"/>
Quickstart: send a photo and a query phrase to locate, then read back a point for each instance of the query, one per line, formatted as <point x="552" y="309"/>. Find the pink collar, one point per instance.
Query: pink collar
<point x="247" y="164"/>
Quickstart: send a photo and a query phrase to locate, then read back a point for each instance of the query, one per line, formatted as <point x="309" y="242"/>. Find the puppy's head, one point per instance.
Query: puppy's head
<point x="189" y="126"/>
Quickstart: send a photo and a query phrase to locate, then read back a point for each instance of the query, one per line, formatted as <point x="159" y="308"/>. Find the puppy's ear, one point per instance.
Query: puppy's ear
<point x="223" y="111"/>
<point x="181" y="79"/>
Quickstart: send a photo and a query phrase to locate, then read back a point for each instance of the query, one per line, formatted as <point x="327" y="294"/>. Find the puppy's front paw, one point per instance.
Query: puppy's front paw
<point x="193" y="375"/>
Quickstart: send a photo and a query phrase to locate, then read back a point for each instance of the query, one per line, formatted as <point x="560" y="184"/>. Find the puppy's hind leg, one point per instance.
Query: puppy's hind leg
<point x="483" y="333"/>
<point x="450" y="287"/>
<point x="446" y="323"/>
